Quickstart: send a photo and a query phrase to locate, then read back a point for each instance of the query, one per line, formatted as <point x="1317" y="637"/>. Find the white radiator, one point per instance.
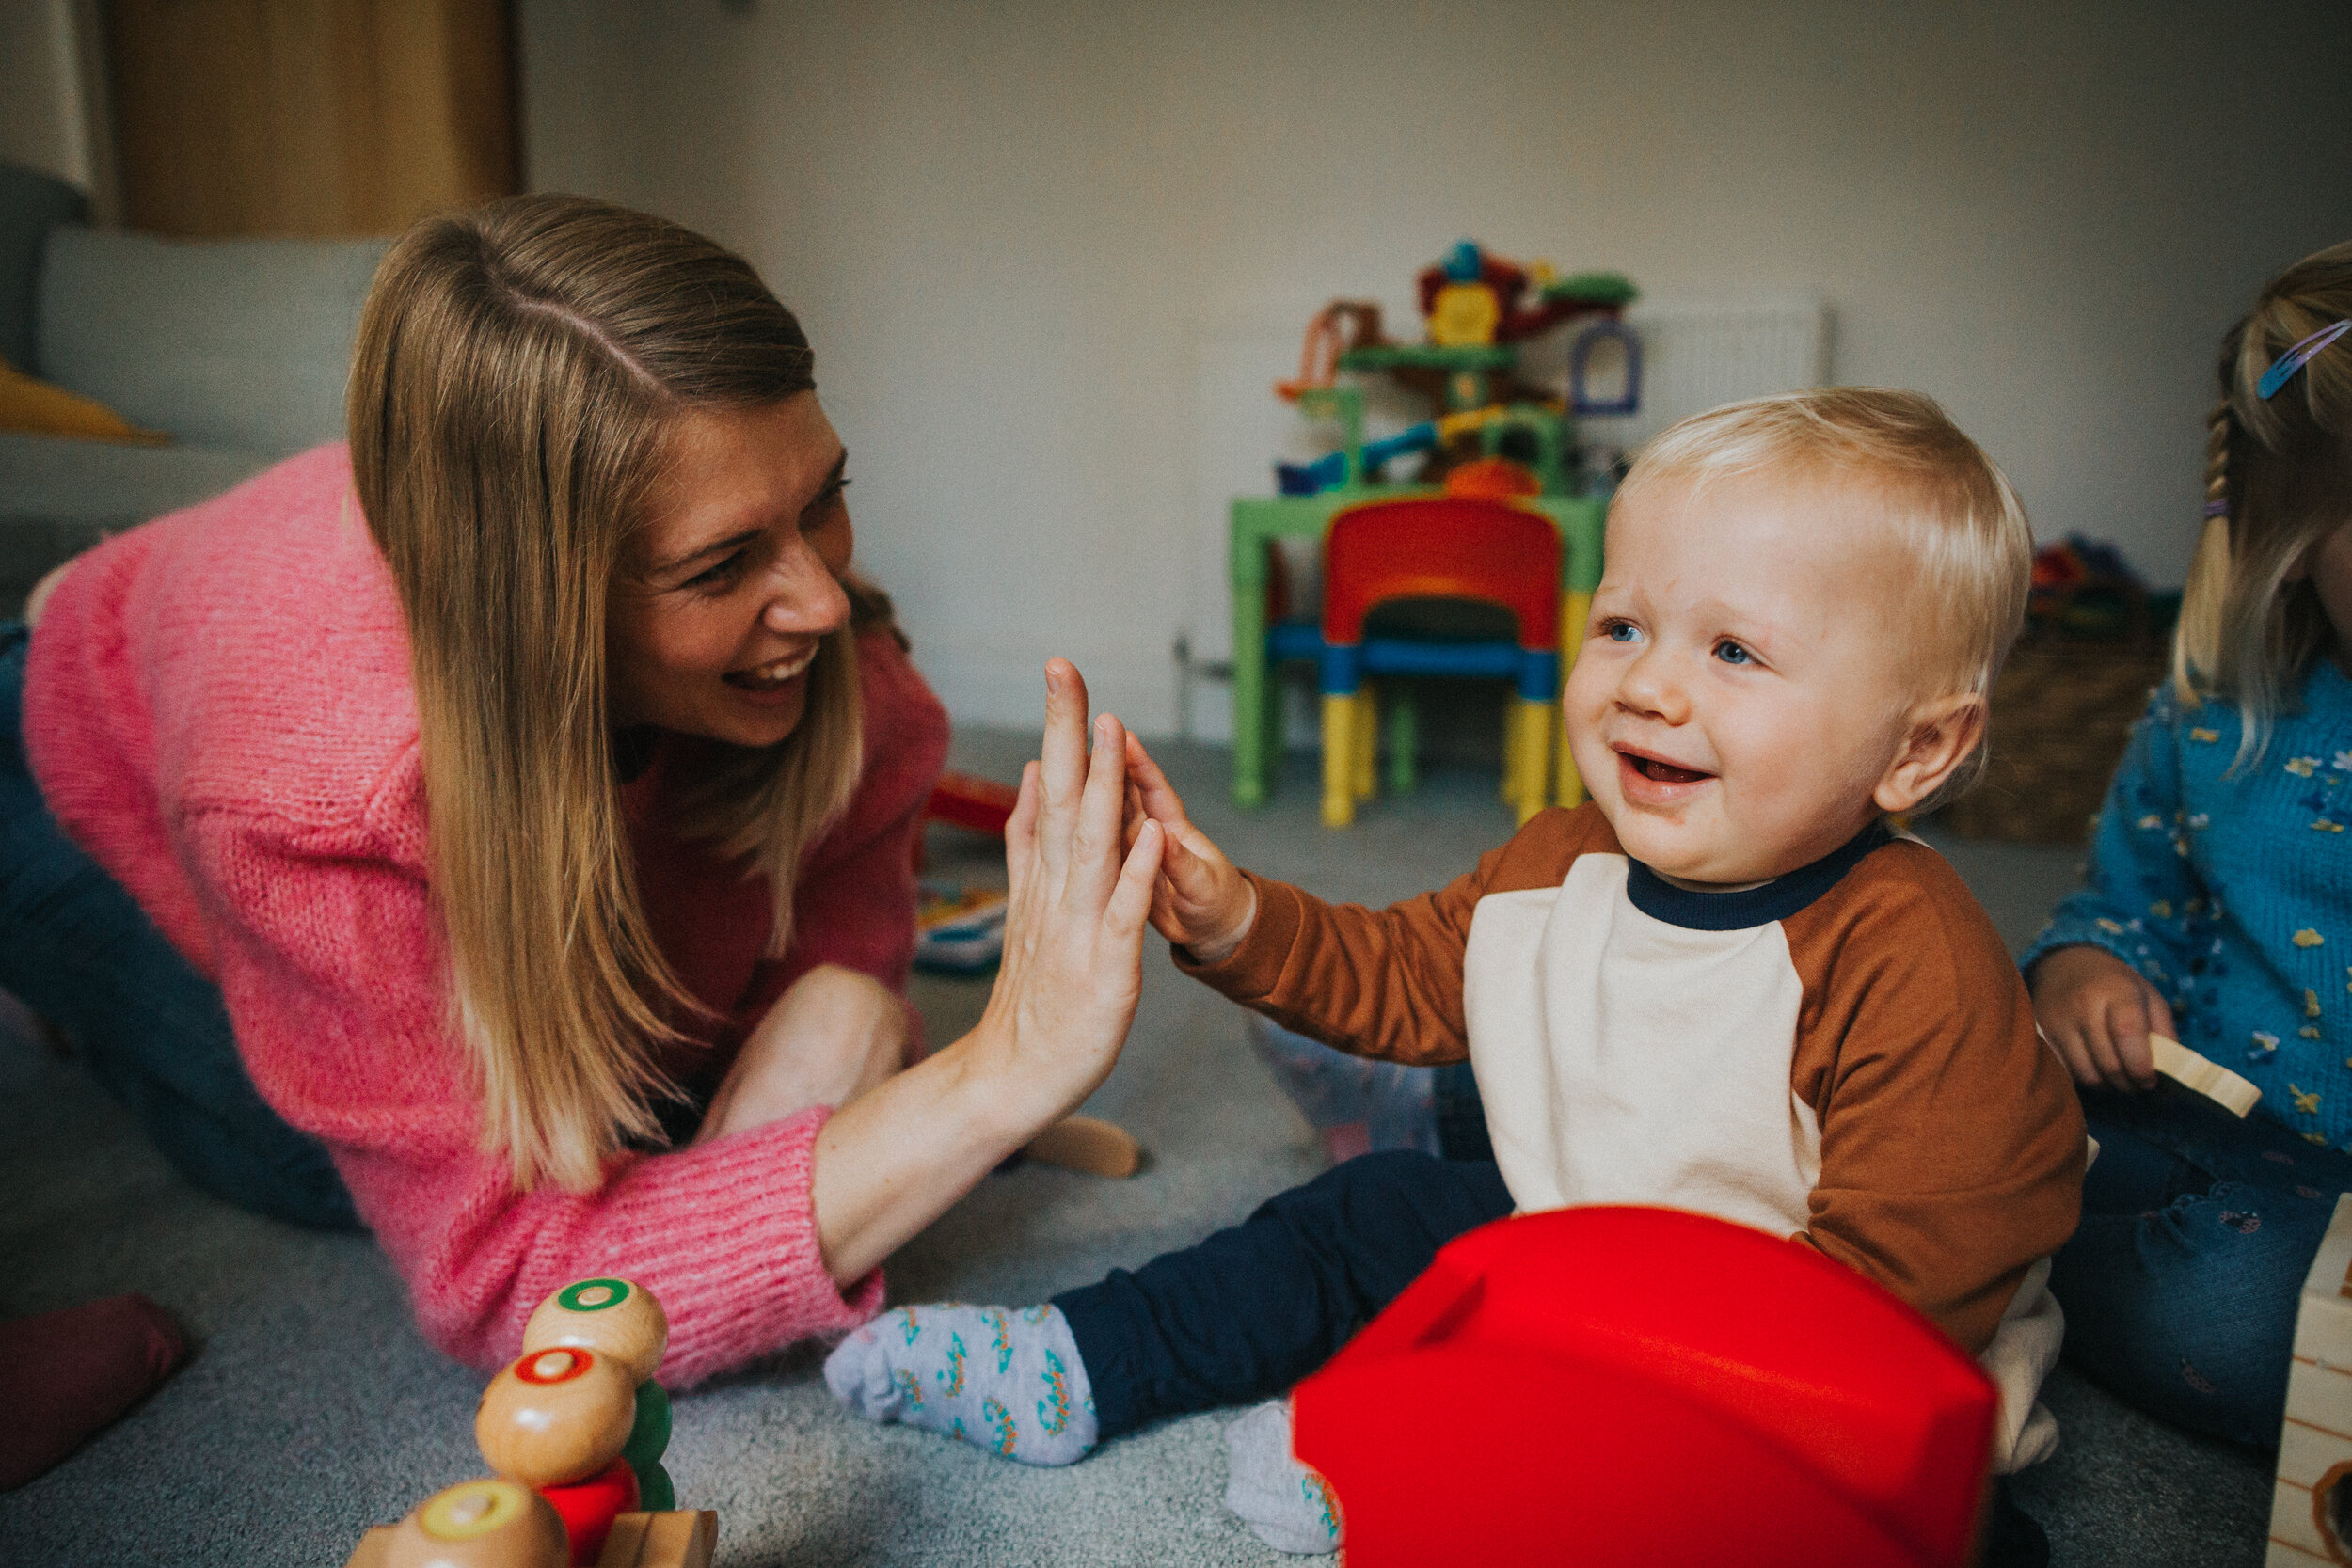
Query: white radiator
<point x="1698" y="357"/>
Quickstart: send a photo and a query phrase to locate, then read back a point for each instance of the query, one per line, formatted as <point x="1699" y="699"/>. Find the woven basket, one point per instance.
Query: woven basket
<point x="2061" y="714"/>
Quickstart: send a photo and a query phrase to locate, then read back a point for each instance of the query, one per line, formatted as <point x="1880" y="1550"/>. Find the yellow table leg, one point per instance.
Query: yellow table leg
<point x="1573" y="615"/>
<point x="1534" y="755"/>
<point x="1339" y="760"/>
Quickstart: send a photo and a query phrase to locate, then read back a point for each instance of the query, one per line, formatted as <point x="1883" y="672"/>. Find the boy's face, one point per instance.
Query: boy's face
<point x="1739" y="696"/>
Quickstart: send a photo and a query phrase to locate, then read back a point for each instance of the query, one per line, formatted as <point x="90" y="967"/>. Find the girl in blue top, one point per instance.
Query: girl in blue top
<point x="2219" y="909"/>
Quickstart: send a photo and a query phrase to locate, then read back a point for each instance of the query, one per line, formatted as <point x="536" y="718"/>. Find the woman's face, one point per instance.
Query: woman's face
<point x="724" y="594"/>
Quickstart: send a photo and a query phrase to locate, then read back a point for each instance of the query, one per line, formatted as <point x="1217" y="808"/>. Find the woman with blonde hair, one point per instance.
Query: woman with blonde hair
<point x="2219" y="909"/>
<point x="497" y="830"/>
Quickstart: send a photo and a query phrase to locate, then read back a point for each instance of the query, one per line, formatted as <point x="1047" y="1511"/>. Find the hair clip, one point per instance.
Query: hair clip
<point x="2296" y="357"/>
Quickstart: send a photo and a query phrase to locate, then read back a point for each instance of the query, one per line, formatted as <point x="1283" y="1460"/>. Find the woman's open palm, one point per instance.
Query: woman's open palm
<point x="1073" y="925"/>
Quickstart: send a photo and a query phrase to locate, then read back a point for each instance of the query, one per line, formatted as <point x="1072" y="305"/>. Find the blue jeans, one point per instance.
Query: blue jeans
<point x="79" y="951"/>
<point x="2182" y="1284"/>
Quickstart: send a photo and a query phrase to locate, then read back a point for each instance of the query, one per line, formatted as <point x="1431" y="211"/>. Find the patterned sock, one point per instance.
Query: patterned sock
<point x="1285" y="1504"/>
<point x="1009" y="1381"/>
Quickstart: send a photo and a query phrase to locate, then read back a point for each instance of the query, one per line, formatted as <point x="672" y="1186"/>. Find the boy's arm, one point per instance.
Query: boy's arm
<point x="1952" y="1143"/>
<point x="1384" y="983"/>
<point x="2139" y="884"/>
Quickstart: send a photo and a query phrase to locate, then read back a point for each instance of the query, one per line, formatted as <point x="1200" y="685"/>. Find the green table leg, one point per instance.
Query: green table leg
<point x="1404" y="738"/>
<point x="1249" y="569"/>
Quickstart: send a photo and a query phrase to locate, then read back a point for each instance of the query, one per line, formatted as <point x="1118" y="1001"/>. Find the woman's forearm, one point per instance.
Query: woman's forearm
<point x="901" y="1155"/>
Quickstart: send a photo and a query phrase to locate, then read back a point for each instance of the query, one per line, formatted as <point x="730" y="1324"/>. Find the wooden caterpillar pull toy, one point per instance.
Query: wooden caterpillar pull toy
<point x="576" y="1428"/>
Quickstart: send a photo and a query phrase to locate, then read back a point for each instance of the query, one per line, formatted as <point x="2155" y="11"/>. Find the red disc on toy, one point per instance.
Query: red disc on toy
<point x="560" y="1365"/>
<point x="589" y="1507"/>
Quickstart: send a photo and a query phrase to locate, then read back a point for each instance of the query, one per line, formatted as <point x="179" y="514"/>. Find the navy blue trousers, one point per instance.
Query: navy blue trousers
<point x="80" y="952"/>
<point x="2182" y="1283"/>
<point x="1252" y="1309"/>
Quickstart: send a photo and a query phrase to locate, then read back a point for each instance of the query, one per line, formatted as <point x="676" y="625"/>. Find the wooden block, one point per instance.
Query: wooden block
<point x="2311" y="1494"/>
<point x="682" y="1538"/>
<point x="1083" y="1143"/>
<point x="2209" y="1078"/>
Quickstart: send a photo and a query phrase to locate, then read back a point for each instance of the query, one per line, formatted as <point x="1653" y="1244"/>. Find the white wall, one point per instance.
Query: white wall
<point x="1052" y="255"/>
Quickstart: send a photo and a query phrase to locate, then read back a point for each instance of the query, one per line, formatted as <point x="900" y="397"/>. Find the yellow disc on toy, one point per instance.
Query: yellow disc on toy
<point x="615" y="1317"/>
<point x="556" y="1416"/>
<point x="1464" y="315"/>
<point x="480" y="1523"/>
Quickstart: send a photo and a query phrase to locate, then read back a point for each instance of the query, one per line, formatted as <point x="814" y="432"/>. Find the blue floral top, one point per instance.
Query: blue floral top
<point x="2234" y="896"/>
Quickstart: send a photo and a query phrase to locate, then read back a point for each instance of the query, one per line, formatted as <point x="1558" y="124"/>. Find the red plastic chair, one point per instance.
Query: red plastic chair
<point x="1621" y="1386"/>
<point x="1451" y="548"/>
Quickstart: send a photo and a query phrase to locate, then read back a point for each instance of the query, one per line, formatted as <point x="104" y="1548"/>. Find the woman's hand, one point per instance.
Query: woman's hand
<point x="896" y="1156"/>
<point x="1200" y="900"/>
<point x="2099" y="1012"/>
<point x="1072" y="967"/>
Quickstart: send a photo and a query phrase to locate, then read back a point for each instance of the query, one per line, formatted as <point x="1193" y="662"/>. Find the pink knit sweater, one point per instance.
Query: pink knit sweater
<point x="219" y="708"/>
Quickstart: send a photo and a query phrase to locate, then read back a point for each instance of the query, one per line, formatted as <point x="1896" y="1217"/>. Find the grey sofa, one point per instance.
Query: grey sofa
<point x="237" y="348"/>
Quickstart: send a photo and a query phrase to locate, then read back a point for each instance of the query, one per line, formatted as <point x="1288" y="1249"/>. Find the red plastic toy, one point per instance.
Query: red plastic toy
<point x="589" y="1507"/>
<point x="1622" y="1387"/>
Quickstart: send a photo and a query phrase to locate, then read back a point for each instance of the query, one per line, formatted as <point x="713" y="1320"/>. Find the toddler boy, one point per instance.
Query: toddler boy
<point x="1722" y="984"/>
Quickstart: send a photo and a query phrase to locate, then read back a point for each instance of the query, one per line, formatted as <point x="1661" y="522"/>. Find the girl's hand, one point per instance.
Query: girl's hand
<point x="2099" y="1012"/>
<point x="1199" y="902"/>
<point x="1073" y="968"/>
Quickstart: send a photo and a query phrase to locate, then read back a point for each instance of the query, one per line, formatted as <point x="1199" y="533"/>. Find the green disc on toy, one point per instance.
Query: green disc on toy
<point x="649" y="1439"/>
<point x="654" y="1495"/>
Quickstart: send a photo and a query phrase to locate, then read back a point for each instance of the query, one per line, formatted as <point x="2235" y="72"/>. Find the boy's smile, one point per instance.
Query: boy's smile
<point x="1744" y="692"/>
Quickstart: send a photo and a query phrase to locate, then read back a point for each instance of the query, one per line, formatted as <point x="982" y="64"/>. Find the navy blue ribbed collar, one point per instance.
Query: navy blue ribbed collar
<point x="1758" y="906"/>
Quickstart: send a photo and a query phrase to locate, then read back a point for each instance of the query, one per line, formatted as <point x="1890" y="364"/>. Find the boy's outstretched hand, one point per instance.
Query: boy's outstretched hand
<point x="1200" y="901"/>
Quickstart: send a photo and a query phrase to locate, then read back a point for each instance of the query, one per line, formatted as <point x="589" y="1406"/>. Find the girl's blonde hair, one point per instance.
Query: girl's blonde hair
<point x="518" y="375"/>
<point x="1949" y="504"/>
<point x="2277" y="481"/>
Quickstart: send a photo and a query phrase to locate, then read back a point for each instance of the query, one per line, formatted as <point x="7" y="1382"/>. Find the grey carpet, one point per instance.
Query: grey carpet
<point x="312" y="1409"/>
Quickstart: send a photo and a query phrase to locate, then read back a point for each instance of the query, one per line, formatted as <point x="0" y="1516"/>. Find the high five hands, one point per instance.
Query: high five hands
<point x="1081" y="888"/>
<point x="1200" y="900"/>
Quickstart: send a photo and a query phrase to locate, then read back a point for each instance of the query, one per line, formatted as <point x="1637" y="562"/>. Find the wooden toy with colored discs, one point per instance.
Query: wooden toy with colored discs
<point x="576" y="1428"/>
<point x="491" y="1522"/>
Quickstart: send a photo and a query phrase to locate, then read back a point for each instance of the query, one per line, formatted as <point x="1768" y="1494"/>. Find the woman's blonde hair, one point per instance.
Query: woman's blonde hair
<point x="518" y="375"/>
<point x="2277" y="481"/>
<point x="1949" y="506"/>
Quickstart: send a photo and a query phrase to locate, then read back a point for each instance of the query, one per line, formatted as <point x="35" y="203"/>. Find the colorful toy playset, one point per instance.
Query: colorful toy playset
<point x="1502" y="449"/>
<point x="574" y="1429"/>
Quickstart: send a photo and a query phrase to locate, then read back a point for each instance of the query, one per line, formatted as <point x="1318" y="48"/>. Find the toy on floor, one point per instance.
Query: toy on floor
<point x="958" y="930"/>
<point x="575" y="1428"/>
<point x="2311" y="1508"/>
<point x="1677" y="1389"/>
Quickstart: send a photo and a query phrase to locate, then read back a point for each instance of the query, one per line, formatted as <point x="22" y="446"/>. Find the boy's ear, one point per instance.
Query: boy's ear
<point x="1943" y="732"/>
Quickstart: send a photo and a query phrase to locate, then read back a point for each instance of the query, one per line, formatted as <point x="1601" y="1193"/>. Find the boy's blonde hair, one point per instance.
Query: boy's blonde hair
<point x="518" y="373"/>
<point x="1951" y="506"/>
<point x="2277" y="481"/>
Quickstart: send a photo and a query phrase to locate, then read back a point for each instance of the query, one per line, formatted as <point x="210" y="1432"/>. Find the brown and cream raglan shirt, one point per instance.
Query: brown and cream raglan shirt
<point x="1845" y="1056"/>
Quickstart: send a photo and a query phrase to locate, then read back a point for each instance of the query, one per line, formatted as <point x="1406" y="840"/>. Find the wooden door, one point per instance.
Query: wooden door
<point x="309" y="117"/>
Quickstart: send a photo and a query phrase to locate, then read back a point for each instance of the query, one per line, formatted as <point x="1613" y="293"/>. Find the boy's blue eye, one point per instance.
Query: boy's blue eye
<point x="1732" y="652"/>
<point x="1621" y="631"/>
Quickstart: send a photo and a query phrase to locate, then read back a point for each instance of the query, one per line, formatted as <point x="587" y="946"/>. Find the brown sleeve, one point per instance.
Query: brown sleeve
<point x="1952" y="1141"/>
<point x="1387" y="983"/>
